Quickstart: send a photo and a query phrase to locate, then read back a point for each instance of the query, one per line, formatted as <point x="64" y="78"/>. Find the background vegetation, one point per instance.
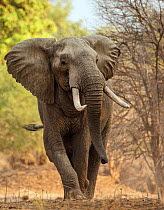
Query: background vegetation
<point x="138" y="27"/>
<point x="19" y="20"/>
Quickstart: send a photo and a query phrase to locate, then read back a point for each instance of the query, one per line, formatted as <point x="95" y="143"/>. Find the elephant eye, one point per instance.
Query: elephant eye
<point x="97" y="60"/>
<point x="63" y="62"/>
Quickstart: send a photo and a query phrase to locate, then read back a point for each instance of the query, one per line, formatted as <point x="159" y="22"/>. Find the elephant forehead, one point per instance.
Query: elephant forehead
<point x="71" y="40"/>
<point x="75" y="44"/>
<point x="77" y="50"/>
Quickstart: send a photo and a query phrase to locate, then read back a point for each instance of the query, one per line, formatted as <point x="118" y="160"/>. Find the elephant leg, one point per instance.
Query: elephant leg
<point x="57" y="154"/>
<point x="94" y="162"/>
<point x="80" y="158"/>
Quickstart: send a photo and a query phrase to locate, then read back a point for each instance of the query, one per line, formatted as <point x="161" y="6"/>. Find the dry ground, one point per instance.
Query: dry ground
<point x="102" y="204"/>
<point x="39" y="187"/>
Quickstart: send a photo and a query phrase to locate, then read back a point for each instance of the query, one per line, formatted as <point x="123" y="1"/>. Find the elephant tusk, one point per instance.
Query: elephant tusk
<point x="76" y="100"/>
<point x="115" y="98"/>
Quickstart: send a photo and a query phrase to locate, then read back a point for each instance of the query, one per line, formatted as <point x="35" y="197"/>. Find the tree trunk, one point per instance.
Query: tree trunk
<point x="159" y="177"/>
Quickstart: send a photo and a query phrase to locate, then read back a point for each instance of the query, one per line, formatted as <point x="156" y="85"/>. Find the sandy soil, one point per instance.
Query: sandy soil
<point x="39" y="187"/>
<point x="45" y="181"/>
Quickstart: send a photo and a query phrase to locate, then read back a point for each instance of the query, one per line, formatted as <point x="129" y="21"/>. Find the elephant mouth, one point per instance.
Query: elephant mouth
<point x="107" y="91"/>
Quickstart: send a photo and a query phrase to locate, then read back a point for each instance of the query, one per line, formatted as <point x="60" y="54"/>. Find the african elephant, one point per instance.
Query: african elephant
<point x="70" y="79"/>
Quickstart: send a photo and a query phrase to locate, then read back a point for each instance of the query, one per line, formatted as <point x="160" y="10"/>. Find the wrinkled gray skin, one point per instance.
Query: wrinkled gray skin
<point x="74" y="141"/>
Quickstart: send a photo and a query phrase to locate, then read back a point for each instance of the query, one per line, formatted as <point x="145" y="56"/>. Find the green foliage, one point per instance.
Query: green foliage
<point x="19" y="20"/>
<point x="22" y="19"/>
<point x="17" y="108"/>
<point x="25" y="19"/>
<point x="65" y="28"/>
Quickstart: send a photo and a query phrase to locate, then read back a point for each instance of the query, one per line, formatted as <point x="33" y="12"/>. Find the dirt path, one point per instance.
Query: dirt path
<point x="39" y="187"/>
<point x="45" y="181"/>
<point x="107" y="204"/>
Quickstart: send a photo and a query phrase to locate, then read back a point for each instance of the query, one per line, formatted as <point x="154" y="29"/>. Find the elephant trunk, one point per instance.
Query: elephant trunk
<point x="91" y="83"/>
<point x="93" y="99"/>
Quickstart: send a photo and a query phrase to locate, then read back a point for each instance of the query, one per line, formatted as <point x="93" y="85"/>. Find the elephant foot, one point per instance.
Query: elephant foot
<point x="84" y="187"/>
<point x="90" y="194"/>
<point x="73" y="194"/>
<point x="90" y="197"/>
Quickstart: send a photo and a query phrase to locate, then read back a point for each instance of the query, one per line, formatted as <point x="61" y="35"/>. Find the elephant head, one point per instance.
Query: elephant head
<point x="79" y="64"/>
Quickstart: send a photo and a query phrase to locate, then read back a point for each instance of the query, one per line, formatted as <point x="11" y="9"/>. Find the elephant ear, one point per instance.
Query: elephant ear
<point x="107" y="53"/>
<point x="29" y="64"/>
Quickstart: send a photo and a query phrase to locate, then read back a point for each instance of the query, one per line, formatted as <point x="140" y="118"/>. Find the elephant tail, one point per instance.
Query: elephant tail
<point x="33" y="127"/>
